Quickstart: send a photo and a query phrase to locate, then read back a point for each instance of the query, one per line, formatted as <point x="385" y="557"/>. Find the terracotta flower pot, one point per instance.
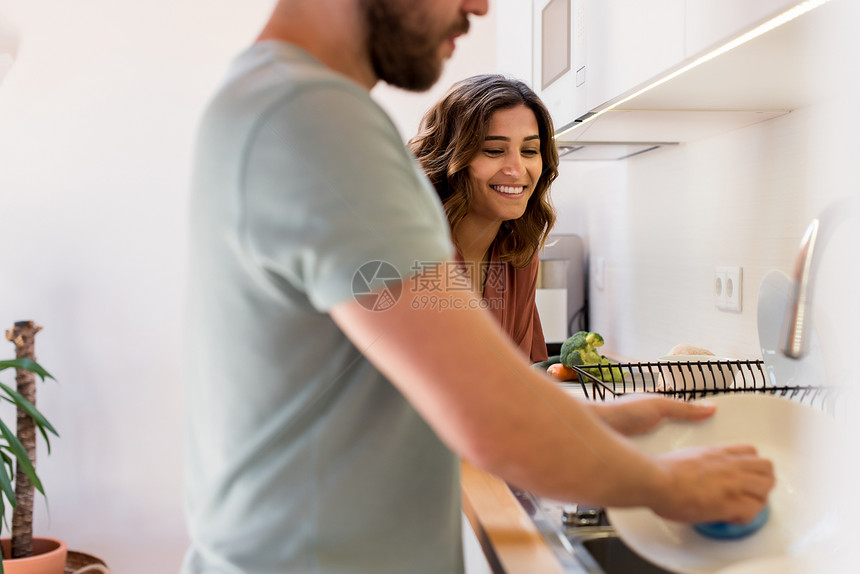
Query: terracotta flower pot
<point x="49" y="557"/>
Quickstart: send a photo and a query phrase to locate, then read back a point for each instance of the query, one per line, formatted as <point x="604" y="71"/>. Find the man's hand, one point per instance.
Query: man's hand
<point x="707" y="484"/>
<point x="640" y="413"/>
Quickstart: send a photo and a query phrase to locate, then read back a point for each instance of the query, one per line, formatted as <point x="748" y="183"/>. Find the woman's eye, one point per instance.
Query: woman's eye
<point x="531" y="152"/>
<point x="493" y="152"/>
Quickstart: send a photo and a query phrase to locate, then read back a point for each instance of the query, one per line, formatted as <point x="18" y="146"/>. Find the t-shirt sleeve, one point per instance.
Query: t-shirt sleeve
<point x="329" y="187"/>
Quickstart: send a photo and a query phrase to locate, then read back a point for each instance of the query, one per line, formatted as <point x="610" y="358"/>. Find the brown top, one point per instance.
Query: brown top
<point x="509" y="293"/>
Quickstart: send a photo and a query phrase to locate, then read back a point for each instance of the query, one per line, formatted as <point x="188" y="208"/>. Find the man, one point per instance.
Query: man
<point x="328" y="397"/>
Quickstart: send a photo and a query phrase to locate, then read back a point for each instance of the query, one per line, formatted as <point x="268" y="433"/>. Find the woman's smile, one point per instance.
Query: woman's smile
<point x="514" y="191"/>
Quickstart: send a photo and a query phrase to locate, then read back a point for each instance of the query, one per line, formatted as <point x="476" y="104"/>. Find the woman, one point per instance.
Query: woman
<point x="488" y="149"/>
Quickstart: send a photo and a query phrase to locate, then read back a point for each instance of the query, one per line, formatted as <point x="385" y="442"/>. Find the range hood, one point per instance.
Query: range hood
<point x="768" y="76"/>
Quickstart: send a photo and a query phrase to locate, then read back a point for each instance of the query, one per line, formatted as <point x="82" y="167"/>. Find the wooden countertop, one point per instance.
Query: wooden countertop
<point x="507" y="535"/>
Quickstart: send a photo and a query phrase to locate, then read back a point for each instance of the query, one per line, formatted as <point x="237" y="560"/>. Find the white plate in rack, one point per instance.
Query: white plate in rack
<point x="693" y="373"/>
<point x="784" y="431"/>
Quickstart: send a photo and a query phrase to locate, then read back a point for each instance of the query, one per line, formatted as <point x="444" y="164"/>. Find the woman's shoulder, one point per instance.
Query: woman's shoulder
<point x="533" y="263"/>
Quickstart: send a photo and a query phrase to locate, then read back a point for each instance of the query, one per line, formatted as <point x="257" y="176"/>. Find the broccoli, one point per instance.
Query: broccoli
<point x="594" y="339"/>
<point x="580" y="349"/>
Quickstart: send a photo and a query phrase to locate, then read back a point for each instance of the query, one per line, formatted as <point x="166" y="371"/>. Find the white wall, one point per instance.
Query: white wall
<point x="96" y="123"/>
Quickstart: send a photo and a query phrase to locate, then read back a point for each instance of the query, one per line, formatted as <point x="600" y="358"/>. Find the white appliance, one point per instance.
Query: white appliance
<point x="560" y="296"/>
<point x="559" y="58"/>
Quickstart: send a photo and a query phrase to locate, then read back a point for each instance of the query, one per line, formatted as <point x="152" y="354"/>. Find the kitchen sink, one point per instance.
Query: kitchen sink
<point x="582" y="538"/>
<point x="611" y="554"/>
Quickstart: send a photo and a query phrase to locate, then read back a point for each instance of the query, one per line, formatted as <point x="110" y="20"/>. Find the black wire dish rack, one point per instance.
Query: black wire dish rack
<point x="689" y="380"/>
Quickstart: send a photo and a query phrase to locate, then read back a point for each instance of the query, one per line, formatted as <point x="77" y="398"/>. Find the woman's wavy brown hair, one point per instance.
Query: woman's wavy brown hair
<point x="452" y="133"/>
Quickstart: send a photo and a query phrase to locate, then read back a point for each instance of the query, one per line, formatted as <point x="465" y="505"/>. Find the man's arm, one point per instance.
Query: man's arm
<point x="473" y="387"/>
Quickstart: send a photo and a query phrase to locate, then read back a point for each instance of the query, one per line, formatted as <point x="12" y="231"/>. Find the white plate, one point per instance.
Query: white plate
<point x="784" y="431"/>
<point x="773" y="296"/>
<point x="697" y="377"/>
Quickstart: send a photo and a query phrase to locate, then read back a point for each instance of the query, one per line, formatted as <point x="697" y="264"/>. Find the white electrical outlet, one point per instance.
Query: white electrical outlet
<point x="720" y="287"/>
<point x="734" y="288"/>
<point x="728" y="288"/>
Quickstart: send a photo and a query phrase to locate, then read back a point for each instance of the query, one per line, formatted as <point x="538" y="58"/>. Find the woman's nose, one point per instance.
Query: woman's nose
<point x="513" y="167"/>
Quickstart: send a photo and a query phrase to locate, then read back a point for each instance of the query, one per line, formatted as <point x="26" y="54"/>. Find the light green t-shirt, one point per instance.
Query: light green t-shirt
<point x="301" y="456"/>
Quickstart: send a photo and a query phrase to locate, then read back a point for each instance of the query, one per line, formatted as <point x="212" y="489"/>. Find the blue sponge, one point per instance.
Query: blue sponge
<point x="729" y="531"/>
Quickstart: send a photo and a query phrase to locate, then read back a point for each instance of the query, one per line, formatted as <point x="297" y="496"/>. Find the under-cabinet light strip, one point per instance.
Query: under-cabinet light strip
<point x="774" y="22"/>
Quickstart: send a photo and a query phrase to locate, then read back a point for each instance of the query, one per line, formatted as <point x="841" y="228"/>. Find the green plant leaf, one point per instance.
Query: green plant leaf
<point x="2" y="523"/>
<point x="20" y="453"/>
<point x="6" y="486"/>
<point x="45" y="436"/>
<point x="27" y="365"/>
<point x="8" y="463"/>
<point x="30" y="409"/>
<point x="41" y="422"/>
<point x="8" y="471"/>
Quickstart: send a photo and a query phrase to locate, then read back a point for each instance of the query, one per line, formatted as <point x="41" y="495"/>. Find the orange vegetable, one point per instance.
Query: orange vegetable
<point x="560" y="372"/>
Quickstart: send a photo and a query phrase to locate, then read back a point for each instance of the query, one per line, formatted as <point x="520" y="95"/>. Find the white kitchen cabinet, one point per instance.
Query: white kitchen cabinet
<point x="589" y="55"/>
<point x="711" y="23"/>
<point x="559" y="74"/>
<point x="630" y="42"/>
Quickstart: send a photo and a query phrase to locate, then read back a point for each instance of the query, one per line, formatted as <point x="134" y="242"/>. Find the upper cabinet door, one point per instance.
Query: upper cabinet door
<point x="631" y="42"/>
<point x="712" y="23"/>
<point x="559" y="71"/>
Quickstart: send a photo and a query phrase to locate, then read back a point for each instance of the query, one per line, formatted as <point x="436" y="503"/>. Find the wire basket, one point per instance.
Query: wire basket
<point x="81" y="563"/>
<point x="690" y="380"/>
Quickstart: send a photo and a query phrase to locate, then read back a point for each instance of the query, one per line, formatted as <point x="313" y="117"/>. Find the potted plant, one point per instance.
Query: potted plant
<point x="22" y="553"/>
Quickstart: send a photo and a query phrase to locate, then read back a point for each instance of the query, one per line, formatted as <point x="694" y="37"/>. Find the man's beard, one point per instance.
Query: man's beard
<point x="403" y="51"/>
